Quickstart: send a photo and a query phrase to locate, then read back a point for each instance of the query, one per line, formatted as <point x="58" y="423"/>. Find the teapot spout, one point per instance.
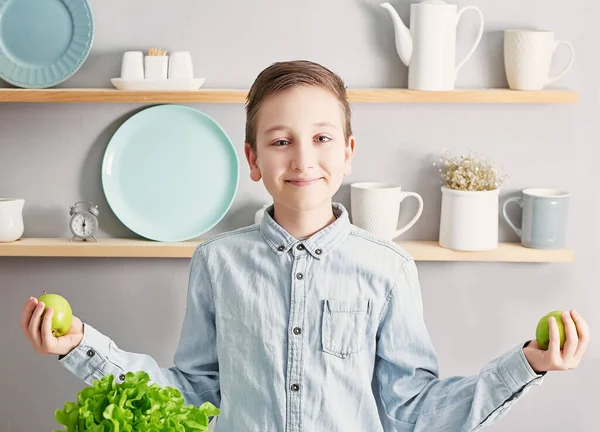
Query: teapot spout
<point x="404" y="42"/>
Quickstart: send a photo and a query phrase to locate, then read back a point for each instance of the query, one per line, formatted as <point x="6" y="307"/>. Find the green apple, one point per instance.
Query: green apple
<point x="542" y="332"/>
<point x="63" y="315"/>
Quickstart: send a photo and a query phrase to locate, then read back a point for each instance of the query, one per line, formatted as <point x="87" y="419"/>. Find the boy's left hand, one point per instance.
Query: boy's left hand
<point x="555" y="359"/>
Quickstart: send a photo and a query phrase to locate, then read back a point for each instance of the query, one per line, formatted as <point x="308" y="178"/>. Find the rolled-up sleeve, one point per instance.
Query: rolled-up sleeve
<point x="413" y="396"/>
<point x="196" y="370"/>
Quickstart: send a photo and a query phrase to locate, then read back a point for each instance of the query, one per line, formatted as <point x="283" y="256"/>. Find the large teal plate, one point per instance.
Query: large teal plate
<point x="43" y="42"/>
<point x="170" y="173"/>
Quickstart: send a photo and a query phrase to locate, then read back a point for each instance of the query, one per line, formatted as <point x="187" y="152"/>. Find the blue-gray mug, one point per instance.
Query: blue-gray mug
<point x="544" y="217"/>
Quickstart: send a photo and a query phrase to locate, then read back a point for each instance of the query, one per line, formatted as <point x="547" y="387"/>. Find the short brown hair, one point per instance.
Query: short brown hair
<point x="284" y="75"/>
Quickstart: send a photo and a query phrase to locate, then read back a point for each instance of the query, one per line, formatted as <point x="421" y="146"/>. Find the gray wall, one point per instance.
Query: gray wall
<point x="50" y="154"/>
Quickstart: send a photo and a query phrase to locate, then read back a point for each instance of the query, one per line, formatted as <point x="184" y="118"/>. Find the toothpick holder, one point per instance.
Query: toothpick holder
<point x="156" y="67"/>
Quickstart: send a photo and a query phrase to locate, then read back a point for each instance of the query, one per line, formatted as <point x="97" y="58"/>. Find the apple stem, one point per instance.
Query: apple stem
<point x="44" y="291"/>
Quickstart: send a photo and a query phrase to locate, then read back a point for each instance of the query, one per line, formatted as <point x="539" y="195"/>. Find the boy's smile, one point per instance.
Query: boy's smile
<point x="301" y="152"/>
<point x="301" y="182"/>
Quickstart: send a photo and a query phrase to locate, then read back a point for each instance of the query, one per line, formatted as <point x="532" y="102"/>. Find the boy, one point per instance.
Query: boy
<point x="306" y="322"/>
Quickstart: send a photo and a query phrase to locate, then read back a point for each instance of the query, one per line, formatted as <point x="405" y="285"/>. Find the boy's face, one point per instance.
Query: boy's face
<point x="301" y="154"/>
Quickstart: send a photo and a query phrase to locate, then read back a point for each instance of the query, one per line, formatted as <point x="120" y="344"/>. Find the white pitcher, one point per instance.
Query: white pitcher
<point x="428" y="48"/>
<point x="11" y="219"/>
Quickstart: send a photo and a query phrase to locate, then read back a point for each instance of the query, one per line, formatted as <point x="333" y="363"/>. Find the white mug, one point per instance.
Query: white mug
<point x="132" y="65"/>
<point x="180" y="65"/>
<point x="528" y="57"/>
<point x="375" y="207"/>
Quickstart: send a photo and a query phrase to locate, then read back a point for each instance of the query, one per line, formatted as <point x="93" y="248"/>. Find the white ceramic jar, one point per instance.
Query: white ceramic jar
<point x="11" y="219"/>
<point x="260" y="213"/>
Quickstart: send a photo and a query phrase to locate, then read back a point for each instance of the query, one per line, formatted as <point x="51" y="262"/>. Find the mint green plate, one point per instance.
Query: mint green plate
<point x="170" y="173"/>
<point x="43" y="42"/>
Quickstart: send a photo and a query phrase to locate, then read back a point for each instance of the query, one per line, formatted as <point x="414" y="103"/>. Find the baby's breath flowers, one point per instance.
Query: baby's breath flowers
<point x="469" y="173"/>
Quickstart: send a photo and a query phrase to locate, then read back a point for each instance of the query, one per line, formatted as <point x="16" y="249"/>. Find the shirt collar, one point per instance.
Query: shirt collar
<point x="318" y="245"/>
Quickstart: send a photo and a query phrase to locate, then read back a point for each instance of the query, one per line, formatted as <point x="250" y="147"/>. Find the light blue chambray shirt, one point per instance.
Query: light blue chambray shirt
<point x="321" y="334"/>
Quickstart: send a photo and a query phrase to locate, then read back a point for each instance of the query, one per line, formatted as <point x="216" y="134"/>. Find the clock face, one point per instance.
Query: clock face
<point x="84" y="225"/>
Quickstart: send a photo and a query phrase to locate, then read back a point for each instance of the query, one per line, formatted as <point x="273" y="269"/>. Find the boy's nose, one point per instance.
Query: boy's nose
<point x="303" y="158"/>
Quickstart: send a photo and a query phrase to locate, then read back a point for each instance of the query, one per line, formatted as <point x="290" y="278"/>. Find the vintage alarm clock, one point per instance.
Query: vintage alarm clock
<point x="84" y="220"/>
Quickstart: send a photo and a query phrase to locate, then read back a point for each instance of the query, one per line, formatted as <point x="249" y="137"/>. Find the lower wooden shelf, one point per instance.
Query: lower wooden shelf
<point x="139" y="248"/>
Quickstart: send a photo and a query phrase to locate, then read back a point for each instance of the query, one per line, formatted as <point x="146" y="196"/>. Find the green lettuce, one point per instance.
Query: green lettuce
<point x="133" y="406"/>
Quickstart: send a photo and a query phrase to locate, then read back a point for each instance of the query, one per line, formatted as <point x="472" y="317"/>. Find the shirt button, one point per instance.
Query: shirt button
<point x="300" y="247"/>
<point x="295" y="387"/>
<point x="299" y="276"/>
<point x="90" y="353"/>
<point x="297" y="330"/>
<point x="318" y="251"/>
<point x="122" y="377"/>
<point x="281" y="248"/>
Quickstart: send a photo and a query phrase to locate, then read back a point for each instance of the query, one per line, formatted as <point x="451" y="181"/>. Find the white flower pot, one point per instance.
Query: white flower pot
<point x="469" y="220"/>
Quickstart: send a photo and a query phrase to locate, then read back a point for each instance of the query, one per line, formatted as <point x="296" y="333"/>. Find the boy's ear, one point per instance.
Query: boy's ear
<point x="252" y="159"/>
<point x="348" y="153"/>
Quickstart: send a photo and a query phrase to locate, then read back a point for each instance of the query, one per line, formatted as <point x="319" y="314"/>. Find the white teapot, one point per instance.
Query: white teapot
<point x="428" y="48"/>
<point x="11" y="219"/>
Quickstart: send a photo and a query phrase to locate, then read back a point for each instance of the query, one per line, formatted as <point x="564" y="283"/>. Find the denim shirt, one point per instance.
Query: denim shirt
<point x="321" y="334"/>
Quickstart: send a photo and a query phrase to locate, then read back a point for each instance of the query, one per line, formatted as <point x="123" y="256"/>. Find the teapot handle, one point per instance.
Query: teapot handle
<point x="479" y="34"/>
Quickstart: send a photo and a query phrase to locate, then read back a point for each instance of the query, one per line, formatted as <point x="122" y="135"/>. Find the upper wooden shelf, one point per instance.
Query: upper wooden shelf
<point x="390" y="95"/>
<point x="139" y="248"/>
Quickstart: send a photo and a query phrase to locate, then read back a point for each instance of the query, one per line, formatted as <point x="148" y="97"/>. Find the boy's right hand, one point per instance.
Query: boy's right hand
<point x="41" y="337"/>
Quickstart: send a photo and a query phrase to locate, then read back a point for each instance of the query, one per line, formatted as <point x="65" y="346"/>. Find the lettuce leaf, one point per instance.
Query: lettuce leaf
<point x="133" y="406"/>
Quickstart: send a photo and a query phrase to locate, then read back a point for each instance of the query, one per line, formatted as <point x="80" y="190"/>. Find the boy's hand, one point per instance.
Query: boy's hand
<point x="40" y="336"/>
<point x="553" y="359"/>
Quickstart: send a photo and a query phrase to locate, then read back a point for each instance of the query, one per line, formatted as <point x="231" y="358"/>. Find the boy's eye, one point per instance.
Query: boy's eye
<point x="280" y="143"/>
<point x="323" y="138"/>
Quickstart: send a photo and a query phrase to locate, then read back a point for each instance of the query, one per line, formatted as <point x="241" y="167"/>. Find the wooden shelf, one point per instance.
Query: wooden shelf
<point x="381" y="95"/>
<point x="136" y="248"/>
<point x="505" y="252"/>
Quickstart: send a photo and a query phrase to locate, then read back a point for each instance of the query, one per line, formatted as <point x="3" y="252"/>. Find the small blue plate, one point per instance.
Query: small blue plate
<point x="43" y="43"/>
<point x="170" y="173"/>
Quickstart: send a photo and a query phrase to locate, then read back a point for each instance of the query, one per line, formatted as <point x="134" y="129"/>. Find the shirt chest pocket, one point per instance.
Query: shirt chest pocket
<point x="344" y="326"/>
